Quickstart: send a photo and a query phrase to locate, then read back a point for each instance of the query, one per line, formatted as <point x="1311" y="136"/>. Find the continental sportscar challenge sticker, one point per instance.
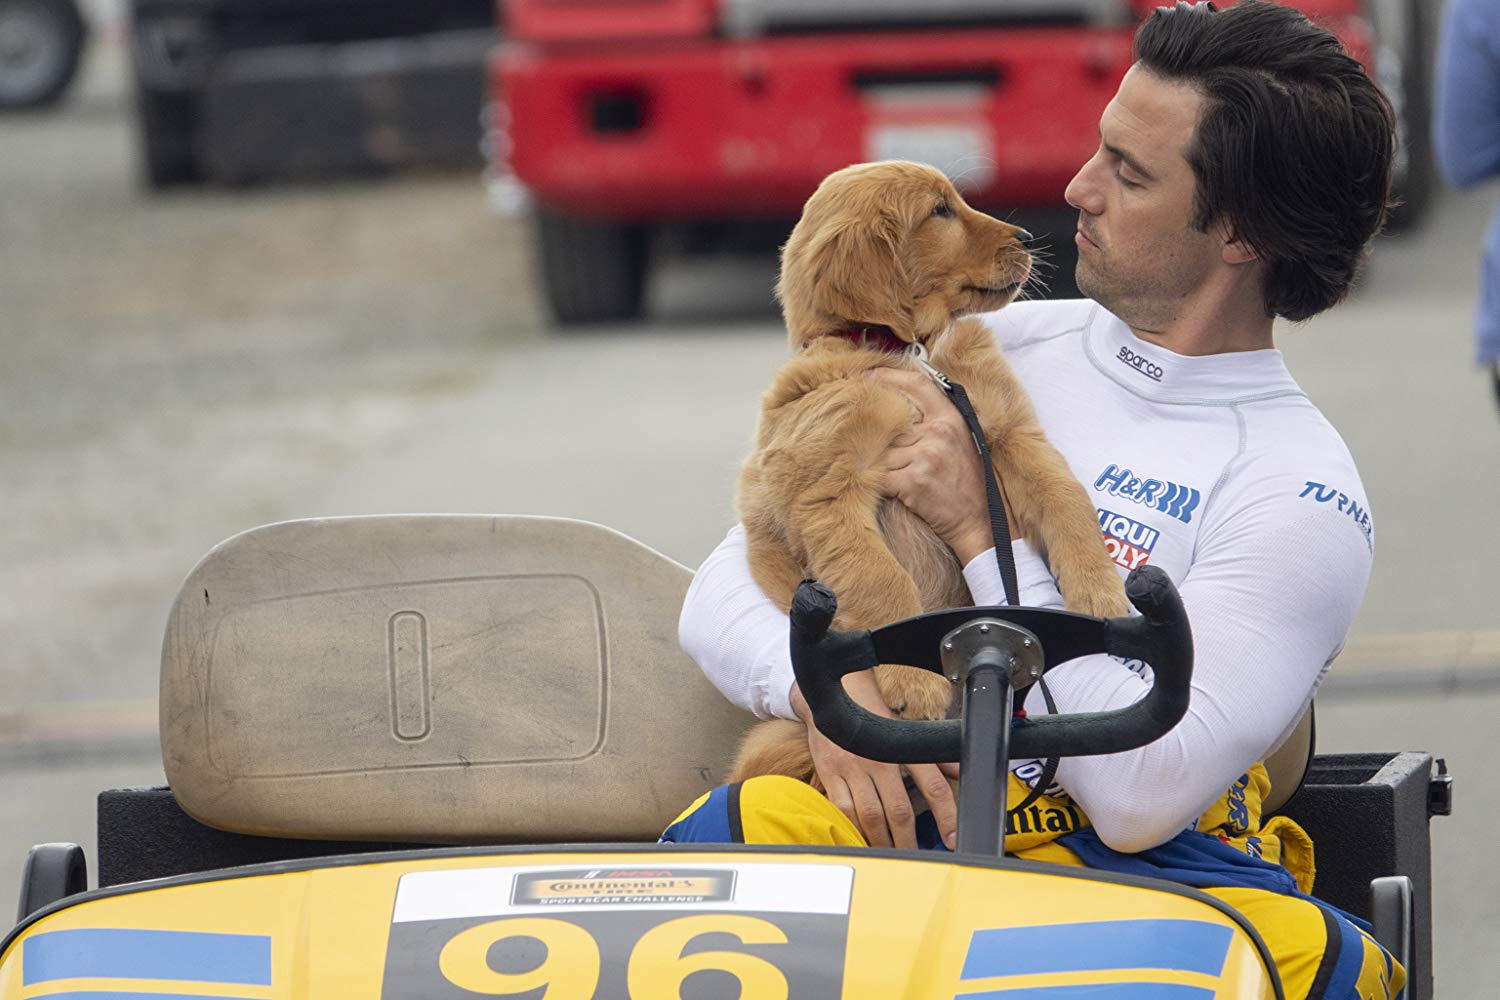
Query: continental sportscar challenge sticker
<point x="733" y="931"/>
<point x="616" y="886"/>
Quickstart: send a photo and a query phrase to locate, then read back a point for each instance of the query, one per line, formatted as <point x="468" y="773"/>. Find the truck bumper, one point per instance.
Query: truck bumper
<point x="745" y="128"/>
<point x="748" y="127"/>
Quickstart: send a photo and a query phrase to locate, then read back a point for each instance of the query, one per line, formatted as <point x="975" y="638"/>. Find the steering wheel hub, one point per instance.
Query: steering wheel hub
<point x="1020" y="648"/>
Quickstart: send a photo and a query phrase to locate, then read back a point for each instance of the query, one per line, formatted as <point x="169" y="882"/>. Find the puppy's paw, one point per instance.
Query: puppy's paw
<point x="913" y="693"/>
<point x="1099" y="594"/>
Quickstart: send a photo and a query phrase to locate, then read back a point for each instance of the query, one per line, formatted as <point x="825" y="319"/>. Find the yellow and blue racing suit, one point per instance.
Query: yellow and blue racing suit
<point x="1263" y="870"/>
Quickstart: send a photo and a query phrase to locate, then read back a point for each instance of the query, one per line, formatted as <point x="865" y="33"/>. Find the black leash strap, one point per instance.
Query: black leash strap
<point x="1049" y="768"/>
<point x="999" y="527"/>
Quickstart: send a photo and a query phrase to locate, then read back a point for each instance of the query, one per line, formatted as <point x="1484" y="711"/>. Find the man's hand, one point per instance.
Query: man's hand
<point x="934" y="468"/>
<point x="871" y="794"/>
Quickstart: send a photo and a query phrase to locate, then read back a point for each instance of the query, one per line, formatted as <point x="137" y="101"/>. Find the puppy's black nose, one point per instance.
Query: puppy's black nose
<point x="1023" y="235"/>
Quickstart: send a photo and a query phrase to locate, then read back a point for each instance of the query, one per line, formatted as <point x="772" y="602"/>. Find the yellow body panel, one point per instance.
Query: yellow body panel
<point x="636" y="925"/>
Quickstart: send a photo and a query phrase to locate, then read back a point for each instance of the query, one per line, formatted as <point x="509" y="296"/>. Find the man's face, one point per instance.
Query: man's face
<point x="1139" y="254"/>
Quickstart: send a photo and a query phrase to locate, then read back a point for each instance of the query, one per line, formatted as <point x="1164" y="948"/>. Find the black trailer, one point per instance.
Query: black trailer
<point x="239" y="91"/>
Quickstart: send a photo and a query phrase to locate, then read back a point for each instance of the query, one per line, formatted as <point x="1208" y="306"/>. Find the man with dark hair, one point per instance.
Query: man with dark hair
<point x="1291" y="155"/>
<point x="1242" y="167"/>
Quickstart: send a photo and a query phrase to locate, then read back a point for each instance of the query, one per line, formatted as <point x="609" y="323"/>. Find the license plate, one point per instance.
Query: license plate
<point x="944" y="127"/>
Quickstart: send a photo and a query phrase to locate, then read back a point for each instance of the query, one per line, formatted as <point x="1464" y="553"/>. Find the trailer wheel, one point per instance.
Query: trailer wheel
<point x="1404" y="39"/>
<point x="165" y="123"/>
<point x="171" y="55"/>
<point x="52" y="872"/>
<point x="41" y="44"/>
<point x="594" y="271"/>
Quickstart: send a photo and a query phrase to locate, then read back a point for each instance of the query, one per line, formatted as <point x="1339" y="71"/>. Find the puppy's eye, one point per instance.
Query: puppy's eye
<point x="942" y="209"/>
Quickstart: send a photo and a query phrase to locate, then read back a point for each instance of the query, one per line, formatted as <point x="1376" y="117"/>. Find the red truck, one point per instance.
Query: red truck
<point x="626" y="119"/>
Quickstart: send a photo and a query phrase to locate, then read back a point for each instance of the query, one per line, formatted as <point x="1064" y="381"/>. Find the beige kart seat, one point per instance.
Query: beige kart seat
<point x="448" y="679"/>
<point x="438" y="679"/>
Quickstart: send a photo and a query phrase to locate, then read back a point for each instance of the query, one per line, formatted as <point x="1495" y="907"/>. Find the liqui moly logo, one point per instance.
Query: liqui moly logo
<point x="1129" y="542"/>
<point x="1158" y="494"/>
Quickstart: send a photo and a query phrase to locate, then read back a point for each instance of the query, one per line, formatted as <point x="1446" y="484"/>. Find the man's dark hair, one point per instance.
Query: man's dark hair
<point x="1293" y="151"/>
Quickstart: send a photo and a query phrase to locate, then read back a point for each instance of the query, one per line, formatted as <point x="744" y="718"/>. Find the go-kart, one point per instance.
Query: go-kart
<point x="338" y="696"/>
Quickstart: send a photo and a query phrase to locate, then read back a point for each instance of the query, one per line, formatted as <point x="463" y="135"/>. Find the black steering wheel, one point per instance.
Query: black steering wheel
<point x="1159" y="635"/>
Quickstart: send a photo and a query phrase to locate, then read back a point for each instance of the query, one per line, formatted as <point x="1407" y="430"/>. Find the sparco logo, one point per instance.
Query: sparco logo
<point x="1140" y="364"/>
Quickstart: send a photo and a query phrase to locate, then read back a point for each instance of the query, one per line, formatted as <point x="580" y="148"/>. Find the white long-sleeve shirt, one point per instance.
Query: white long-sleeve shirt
<point x="1217" y="469"/>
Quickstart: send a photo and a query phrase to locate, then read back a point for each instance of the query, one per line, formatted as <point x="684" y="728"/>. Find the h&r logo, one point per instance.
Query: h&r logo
<point x="1158" y="494"/>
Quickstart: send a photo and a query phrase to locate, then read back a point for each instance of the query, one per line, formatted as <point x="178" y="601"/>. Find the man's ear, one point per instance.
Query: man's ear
<point x="851" y="271"/>
<point x="1235" y="249"/>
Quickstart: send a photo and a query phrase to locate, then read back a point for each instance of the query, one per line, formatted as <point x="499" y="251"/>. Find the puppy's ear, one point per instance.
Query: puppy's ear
<point x="845" y="271"/>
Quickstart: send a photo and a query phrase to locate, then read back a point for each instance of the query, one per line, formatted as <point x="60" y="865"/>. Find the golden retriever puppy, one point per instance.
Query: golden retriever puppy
<point x="887" y="255"/>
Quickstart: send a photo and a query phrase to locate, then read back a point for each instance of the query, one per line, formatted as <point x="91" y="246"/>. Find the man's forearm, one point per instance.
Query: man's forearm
<point x="1263" y="632"/>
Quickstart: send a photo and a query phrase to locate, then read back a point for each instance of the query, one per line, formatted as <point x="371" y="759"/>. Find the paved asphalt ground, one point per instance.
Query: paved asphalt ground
<point x="176" y="369"/>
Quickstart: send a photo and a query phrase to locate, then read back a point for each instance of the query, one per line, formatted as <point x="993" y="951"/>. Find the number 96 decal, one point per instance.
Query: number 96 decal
<point x="753" y="932"/>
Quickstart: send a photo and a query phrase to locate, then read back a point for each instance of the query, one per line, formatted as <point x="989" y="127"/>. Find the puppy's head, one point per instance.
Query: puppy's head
<point x="892" y="244"/>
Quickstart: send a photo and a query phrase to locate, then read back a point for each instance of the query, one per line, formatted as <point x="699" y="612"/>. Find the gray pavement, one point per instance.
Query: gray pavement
<point x="174" y="370"/>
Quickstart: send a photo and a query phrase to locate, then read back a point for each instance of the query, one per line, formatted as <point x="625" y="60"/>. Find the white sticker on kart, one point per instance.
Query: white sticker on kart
<point x="581" y="933"/>
<point x="503" y="891"/>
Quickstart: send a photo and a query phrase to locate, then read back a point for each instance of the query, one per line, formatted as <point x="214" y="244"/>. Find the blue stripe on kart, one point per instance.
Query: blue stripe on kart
<point x="1097" y="991"/>
<point x="137" y="954"/>
<point x="114" y="995"/>
<point x="1185" y="945"/>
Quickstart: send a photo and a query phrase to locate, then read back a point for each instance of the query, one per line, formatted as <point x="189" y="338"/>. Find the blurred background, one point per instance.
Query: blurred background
<point x="273" y="259"/>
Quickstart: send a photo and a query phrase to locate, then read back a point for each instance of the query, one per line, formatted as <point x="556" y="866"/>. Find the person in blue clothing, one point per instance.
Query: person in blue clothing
<point x="1466" y="135"/>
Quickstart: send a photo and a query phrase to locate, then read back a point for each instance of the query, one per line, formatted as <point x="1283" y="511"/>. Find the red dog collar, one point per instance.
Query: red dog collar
<point x="877" y="338"/>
